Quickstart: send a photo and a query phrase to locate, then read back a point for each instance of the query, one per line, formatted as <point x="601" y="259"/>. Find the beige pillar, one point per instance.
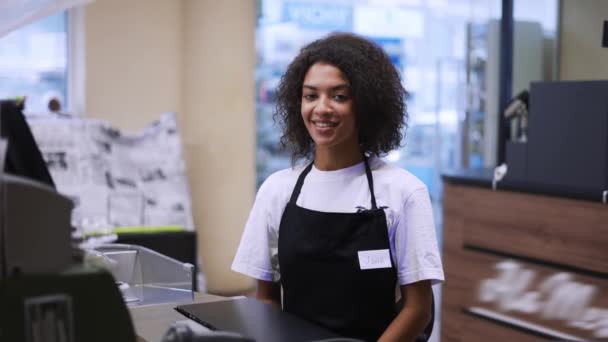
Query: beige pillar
<point x="132" y="60"/>
<point x="195" y="57"/>
<point x="219" y="129"/>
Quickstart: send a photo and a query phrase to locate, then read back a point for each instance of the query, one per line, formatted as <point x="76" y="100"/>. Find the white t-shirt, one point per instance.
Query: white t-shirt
<point x="409" y="215"/>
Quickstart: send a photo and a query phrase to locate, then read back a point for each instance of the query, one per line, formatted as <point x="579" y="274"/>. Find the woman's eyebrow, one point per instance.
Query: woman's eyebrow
<point x="334" y="88"/>
<point x="341" y="87"/>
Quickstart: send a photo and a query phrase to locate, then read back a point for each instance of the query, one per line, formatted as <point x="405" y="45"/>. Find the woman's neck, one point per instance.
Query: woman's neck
<point x="327" y="159"/>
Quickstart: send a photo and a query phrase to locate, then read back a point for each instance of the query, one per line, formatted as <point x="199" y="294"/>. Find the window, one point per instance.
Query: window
<point x="426" y="40"/>
<point x="34" y="61"/>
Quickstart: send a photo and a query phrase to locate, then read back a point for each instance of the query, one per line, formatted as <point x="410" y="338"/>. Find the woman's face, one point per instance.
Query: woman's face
<point x="327" y="108"/>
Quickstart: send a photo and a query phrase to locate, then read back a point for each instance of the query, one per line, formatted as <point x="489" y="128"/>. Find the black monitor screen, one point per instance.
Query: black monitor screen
<point x="23" y="158"/>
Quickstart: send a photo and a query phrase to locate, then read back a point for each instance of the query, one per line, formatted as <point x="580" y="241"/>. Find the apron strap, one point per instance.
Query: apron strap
<point x="298" y="187"/>
<point x="300" y="182"/>
<point x="370" y="182"/>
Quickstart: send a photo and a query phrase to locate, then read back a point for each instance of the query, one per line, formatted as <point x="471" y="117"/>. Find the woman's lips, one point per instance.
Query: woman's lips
<point x="324" y="126"/>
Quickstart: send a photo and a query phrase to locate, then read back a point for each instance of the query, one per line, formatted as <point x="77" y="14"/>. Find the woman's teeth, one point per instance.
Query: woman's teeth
<point x="324" y="124"/>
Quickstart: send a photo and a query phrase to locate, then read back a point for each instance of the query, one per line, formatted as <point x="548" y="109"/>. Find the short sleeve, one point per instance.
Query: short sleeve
<point x="256" y="255"/>
<point x="416" y="248"/>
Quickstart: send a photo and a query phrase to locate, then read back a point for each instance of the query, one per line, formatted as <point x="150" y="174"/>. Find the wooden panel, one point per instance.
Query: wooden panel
<point x="479" y="330"/>
<point x="452" y="322"/>
<point x="456" y="285"/>
<point x="548" y="297"/>
<point x="540" y="233"/>
<point x="463" y="290"/>
<point x="565" y="231"/>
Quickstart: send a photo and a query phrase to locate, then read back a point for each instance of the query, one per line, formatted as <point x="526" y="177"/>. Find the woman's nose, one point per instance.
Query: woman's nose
<point x="323" y="106"/>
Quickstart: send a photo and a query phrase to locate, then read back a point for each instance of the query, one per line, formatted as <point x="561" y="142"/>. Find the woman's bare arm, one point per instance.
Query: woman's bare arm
<point x="414" y="315"/>
<point x="269" y="293"/>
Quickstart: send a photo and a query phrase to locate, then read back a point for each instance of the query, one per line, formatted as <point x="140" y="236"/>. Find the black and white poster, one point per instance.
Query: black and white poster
<point x="117" y="179"/>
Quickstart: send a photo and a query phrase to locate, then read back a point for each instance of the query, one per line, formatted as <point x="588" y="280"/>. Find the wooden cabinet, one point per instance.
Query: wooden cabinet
<point x="522" y="267"/>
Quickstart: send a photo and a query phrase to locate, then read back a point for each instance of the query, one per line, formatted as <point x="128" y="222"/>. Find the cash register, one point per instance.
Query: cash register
<point x="45" y="292"/>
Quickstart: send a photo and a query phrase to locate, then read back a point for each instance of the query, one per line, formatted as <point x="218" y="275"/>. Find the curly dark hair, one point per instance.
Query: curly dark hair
<point x="379" y="97"/>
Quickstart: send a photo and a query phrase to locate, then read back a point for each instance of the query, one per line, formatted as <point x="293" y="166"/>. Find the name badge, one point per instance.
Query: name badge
<point x="379" y="258"/>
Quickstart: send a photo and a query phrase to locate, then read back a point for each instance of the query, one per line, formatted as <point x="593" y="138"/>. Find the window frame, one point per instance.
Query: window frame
<point x="76" y="61"/>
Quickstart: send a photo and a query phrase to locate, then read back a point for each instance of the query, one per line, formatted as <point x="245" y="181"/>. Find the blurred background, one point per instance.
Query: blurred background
<point x="215" y="66"/>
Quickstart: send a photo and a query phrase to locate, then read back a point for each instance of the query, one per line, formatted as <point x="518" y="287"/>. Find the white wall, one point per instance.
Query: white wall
<point x="581" y="54"/>
<point x="195" y="57"/>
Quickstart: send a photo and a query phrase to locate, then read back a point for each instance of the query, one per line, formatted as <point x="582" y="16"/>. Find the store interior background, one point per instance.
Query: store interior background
<point x="214" y="63"/>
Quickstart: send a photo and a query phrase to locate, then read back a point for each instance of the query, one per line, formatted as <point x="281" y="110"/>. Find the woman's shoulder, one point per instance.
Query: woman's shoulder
<point x="395" y="178"/>
<point x="280" y="180"/>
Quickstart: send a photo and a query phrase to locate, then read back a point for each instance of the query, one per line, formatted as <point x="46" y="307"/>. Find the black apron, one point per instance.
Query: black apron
<point x="321" y="276"/>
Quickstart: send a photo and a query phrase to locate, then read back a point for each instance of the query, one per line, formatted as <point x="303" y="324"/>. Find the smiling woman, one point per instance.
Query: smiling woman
<point x="373" y="87"/>
<point x="327" y="111"/>
<point x="338" y="235"/>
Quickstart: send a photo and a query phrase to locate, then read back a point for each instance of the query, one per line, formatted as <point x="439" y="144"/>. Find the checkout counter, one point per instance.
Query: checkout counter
<point x="52" y="290"/>
<point x="522" y="266"/>
<point x="528" y="260"/>
<point x="49" y="291"/>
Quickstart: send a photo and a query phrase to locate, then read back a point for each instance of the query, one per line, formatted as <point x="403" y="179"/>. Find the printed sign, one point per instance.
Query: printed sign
<point x="117" y="179"/>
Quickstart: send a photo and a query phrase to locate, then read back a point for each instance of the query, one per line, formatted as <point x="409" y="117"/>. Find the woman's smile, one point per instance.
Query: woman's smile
<point x="327" y="108"/>
<point x="324" y="127"/>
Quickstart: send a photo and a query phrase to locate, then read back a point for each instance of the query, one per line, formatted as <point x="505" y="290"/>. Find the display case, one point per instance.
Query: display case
<point x="147" y="277"/>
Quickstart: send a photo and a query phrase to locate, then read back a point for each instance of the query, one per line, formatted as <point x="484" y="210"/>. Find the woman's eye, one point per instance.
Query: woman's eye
<point x="310" y="96"/>
<point x="340" y="97"/>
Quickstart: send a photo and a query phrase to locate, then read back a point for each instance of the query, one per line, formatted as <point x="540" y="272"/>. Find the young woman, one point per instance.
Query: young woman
<point x="330" y="241"/>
